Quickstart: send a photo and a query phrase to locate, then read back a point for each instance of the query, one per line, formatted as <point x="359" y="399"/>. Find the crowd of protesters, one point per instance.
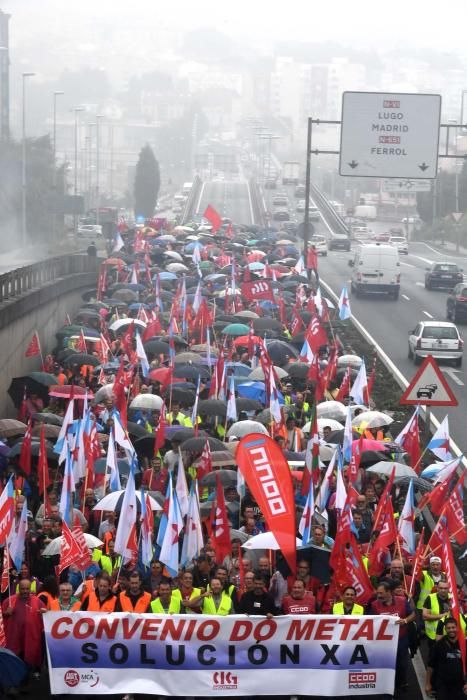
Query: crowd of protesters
<point x="143" y="355"/>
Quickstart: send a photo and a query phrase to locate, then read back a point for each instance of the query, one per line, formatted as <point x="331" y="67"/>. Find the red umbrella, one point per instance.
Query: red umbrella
<point x="243" y="340"/>
<point x="66" y="392"/>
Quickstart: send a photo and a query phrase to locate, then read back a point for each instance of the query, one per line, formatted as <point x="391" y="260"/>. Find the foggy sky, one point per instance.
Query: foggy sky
<point x="38" y="24"/>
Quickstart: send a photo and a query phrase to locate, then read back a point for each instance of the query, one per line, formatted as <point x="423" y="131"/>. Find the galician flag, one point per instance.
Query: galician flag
<point x="344" y="305"/>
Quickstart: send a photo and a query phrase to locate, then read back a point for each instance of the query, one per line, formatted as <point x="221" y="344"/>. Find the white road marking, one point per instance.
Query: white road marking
<point x="427" y="314"/>
<point x="452" y="373"/>
<point x="407" y="264"/>
<point x="420" y="284"/>
<point x="404" y="296"/>
<point x="425" y="260"/>
<point x="200" y="197"/>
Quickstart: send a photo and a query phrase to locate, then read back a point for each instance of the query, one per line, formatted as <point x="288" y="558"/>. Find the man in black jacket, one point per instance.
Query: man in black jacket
<point x="257" y="601"/>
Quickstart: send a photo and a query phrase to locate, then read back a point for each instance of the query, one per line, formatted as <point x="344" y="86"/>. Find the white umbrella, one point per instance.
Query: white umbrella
<point x="265" y="540"/>
<point x="322" y="423"/>
<point x="244" y="427"/>
<point x="352" y="360"/>
<point x="176" y="267"/>
<point x="331" y="409"/>
<point x="356" y="406"/>
<point x="184" y="228"/>
<point x="54" y="546"/>
<point x="122" y="322"/>
<point x="105" y="392"/>
<point x="113" y="501"/>
<point x="258" y="374"/>
<point x="326" y="452"/>
<point x="150" y="401"/>
<point x="173" y="255"/>
<point x="372" y="419"/>
<point x="387" y="467"/>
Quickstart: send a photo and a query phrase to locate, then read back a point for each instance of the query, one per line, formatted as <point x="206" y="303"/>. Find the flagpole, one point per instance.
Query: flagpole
<point x="40" y="349"/>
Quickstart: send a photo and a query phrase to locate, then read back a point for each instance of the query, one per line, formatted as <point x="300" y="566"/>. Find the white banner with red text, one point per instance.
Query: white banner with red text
<point x="199" y="655"/>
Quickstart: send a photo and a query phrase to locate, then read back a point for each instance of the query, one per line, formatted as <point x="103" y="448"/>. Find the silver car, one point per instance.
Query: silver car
<point x="440" y="339"/>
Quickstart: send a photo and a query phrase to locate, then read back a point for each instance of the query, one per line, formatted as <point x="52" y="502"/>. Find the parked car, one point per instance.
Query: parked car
<point x="440" y="339"/>
<point x="281" y="215"/>
<point x="443" y="275"/>
<point x="456" y="303"/>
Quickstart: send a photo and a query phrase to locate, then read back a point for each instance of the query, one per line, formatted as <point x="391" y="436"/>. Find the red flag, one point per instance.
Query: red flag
<point x="205" y="461"/>
<point x="411" y="441"/>
<point x="312" y="258"/>
<point x="2" y="631"/>
<point x="380" y="514"/>
<point x="297" y="324"/>
<point x="163" y="375"/>
<point x="122" y="381"/>
<point x="127" y="340"/>
<point x="456" y="610"/>
<point x="258" y="289"/>
<point x="43" y="478"/>
<point x="83" y="559"/>
<point x="417" y="564"/>
<point x="153" y="328"/>
<point x="316" y="334"/>
<point x="69" y="549"/>
<point x="387" y="536"/>
<point x="267" y="474"/>
<point x="325" y="317"/>
<point x="202" y="320"/>
<point x="371" y="379"/>
<point x="357" y="449"/>
<point x="282" y="311"/>
<point x="213" y="217"/>
<point x="436" y="540"/>
<point x="345" y="385"/>
<point x="311" y="471"/>
<point x="346" y="560"/>
<point x="34" y="347"/>
<point x="218" y="378"/>
<point x="5" y="582"/>
<point x="315" y="375"/>
<point x="25" y="454"/>
<point x="454" y="511"/>
<point x="436" y="498"/>
<point x="81" y="344"/>
<point x="220" y="525"/>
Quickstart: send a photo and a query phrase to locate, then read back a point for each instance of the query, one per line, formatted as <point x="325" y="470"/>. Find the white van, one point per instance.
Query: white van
<point x="365" y="211"/>
<point x="376" y="269"/>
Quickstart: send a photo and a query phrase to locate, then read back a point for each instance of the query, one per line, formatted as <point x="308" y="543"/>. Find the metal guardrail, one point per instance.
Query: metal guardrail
<point x="330" y="214"/>
<point x="187" y="213"/>
<point x="258" y="203"/>
<point x="15" y="283"/>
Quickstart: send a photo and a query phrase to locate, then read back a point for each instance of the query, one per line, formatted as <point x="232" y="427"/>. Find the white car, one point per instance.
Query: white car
<point x="400" y="242"/>
<point x="89" y="230"/>
<point x="315" y="214"/>
<point x="440" y="339"/>
<point x="300" y="205"/>
<point x="320" y="244"/>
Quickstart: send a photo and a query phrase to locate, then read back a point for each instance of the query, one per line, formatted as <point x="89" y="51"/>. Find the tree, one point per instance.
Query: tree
<point x="147" y="183"/>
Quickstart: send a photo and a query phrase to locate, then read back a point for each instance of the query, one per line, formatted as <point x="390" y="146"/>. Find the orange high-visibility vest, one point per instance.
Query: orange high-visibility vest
<point x="141" y="604"/>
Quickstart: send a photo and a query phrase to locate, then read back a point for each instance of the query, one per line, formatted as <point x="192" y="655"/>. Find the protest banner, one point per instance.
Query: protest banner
<point x="208" y="656"/>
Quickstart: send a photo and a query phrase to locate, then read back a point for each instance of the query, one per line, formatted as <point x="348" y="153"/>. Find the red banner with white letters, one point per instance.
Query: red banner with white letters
<point x="259" y="289"/>
<point x="267" y="474"/>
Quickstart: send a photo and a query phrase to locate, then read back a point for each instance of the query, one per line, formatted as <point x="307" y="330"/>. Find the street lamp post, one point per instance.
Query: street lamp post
<point x="98" y="118"/>
<point x="76" y="111"/>
<point x="57" y="93"/>
<point x="23" y="163"/>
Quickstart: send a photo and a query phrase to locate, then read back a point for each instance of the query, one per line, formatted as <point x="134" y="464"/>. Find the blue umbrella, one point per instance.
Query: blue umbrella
<point x="165" y="276"/>
<point x="137" y="307"/>
<point x="123" y="466"/>
<point x="256" y="266"/>
<point x="238" y="369"/>
<point x="12" y="669"/>
<point x="253" y="390"/>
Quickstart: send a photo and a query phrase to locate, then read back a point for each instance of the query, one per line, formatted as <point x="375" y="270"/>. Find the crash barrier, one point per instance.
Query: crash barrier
<point x="258" y="203"/>
<point x="190" y="204"/>
<point x="200" y="655"/>
<point x="335" y="221"/>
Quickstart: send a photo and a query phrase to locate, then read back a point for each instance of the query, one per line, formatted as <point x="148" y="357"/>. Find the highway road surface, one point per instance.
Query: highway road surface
<point x="231" y="198"/>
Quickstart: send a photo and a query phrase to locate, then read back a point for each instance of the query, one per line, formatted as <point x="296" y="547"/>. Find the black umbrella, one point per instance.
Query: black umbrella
<point x="227" y="477"/>
<point x="123" y="466"/>
<point x="370" y="457"/>
<point x="264" y="324"/>
<point x="82" y="358"/>
<point x="419" y="483"/>
<point x="281" y="352"/>
<point x="297" y="370"/>
<point x="183" y="396"/>
<point x="33" y="383"/>
<point x="191" y="372"/>
<point x="49" y="418"/>
<point x="157" y="347"/>
<point x="178" y="340"/>
<point x="196" y="444"/>
<point x="337" y="437"/>
<point x="35" y="447"/>
<point x="212" y="407"/>
<point x="63" y="354"/>
<point x="137" y="430"/>
<point x="244" y="404"/>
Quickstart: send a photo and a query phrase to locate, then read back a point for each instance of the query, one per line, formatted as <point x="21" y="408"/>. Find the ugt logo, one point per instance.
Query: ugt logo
<point x="224" y="680"/>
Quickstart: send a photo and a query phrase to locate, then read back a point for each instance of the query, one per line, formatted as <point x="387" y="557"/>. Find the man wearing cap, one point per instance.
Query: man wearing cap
<point x="430" y="579"/>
